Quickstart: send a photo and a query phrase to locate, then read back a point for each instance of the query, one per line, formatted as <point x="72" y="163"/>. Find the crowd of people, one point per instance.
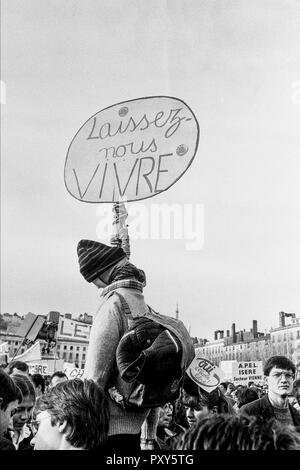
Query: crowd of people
<point x="95" y="413"/>
<point x="75" y="414"/>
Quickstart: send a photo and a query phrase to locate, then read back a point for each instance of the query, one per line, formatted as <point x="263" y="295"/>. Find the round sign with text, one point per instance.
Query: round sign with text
<point x="134" y="150"/>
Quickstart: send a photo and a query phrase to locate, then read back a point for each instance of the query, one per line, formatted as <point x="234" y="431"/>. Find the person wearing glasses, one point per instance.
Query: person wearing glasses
<point x="279" y="372"/>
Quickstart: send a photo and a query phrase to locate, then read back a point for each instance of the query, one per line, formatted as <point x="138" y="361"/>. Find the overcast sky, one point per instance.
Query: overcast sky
<point x="237" y="65"/>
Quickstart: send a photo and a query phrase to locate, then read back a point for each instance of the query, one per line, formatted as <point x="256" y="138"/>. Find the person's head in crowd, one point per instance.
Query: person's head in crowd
<point x="246" y="395"/>
<point x="199" y="403"/>
<point x="258" y="390"/>
<point x="237" y="393"/>
<point x="230" y="389"/>
<point x="73" y="415"/>
<point x="223" y="386"/>
<point x="10" y="397"/>
<point x="292" y="400"/>
<point x="296" y="390"/>
<point x="39" y="383"/>
<point x="23" y="413"/>
<point x="233" y="432"/>
<point x="102" y="264"/>
<point x="57" y="378"/>
<point x="18" y="367"/>
<point x="165" y="415"/>
<point x="279" y="372"/>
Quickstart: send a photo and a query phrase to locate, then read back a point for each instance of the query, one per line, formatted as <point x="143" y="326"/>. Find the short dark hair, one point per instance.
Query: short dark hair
<point x="216" y="398"/>
<point x="246" y="395"/>
<point x="84" y="406"/>
<point x="38" y="379"/>
<point x="9" y="391"/>
<point x="224" y="384"/>
<point x="233" y="432"/>
<point x="282" y="362"/>
<point x="20" y="365"/>
<point x="296" y="384"/>
<point x="58" y="373"/>
<point x="25" y="385"/>
<point x="212" y="399"/>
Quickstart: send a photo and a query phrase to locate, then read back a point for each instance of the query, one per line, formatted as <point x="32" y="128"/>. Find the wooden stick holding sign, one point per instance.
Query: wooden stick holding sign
<point x="120" y="235"/>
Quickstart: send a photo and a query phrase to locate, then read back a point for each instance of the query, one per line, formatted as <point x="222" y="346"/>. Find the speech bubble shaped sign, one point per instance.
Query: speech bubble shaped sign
<point x="135" y="150"/>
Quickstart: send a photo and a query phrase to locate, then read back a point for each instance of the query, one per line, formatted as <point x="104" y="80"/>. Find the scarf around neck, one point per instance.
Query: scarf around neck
<point x="125" y="283"/>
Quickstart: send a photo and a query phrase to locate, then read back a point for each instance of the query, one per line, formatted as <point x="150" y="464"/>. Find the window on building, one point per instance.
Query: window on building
<point x="77" y="349"/>
<point x="64" y="355"/>
<point x="71" y="357"/>
<point x="83" y="348"/>
<point x="291" y="335"/>
<point x="83" y="357"/>
<point x="65" y="347"/>
<point x="71" y="348"/>
<point x="76" y="357"/>
<point x="82" y="365"/>
<point x="58" y="347"/>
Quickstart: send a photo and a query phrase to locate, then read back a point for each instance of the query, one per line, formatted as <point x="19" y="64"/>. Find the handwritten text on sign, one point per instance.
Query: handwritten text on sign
<point x="205" y="373"/>
<point x="135" y="149"/>
<point x="73" y="372"/>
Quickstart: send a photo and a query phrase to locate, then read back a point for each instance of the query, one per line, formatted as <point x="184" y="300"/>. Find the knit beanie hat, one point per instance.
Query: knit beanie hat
<point x="95" y="258"/>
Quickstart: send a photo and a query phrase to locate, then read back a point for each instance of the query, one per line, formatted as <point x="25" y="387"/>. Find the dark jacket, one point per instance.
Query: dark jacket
<point x="25" y="444"/>
<point x="263" y="408"/>
<point x="6" y="444"/>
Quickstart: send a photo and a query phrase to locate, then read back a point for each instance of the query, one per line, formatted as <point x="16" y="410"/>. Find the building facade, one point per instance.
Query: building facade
<point x="253" y="345"/>
<point x="72" y="338"/>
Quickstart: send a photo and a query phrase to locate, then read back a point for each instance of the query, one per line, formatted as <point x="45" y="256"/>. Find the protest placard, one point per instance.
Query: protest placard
<point x="134" y="150"/>
<point x="72" y="372"/>
<point x="246" y="371"/>
<point x="39" y="368"/>
<point x="205" y="373"/>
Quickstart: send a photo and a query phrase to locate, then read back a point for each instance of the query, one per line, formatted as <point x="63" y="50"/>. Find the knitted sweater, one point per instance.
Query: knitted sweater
<point x="109" y="325"/>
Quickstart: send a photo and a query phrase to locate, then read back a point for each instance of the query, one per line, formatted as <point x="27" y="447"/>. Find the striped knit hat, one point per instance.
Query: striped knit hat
<point x="95" y="258"/>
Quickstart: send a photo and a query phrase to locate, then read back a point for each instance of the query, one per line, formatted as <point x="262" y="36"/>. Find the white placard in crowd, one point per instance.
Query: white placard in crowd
<point x="73" y="372"/>
<point x="134" y="150"/>
<point x="205" y="373"/>
<point x="246" y="371"/>
<point x="39" y="368"/>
